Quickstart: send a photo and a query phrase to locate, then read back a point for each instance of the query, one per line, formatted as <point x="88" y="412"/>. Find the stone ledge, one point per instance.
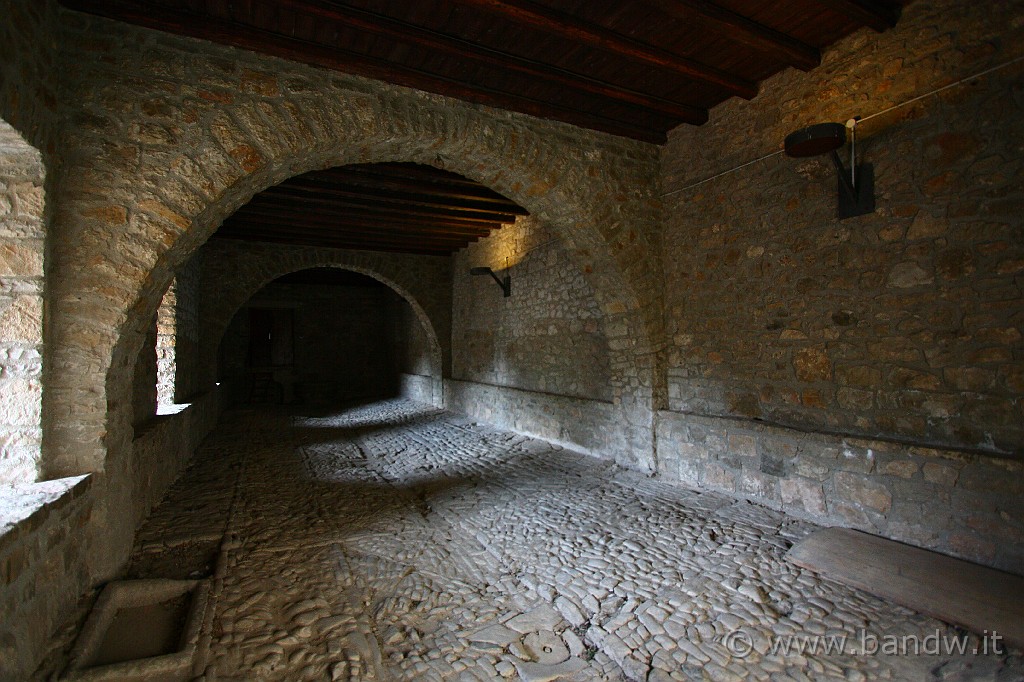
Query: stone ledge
<point x="587" y="426"/>
<point x="529" y="391"/>
<point x="953" y="501"/>
<point x="25" y="506"/>
<point x="877" y="443"/>
<point x="177" y="411"/>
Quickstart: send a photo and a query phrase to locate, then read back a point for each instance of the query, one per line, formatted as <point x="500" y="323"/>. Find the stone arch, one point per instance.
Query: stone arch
<point x="156" y="209"/>
<point x="22" y="240"/>
<point x="243" y="269"/>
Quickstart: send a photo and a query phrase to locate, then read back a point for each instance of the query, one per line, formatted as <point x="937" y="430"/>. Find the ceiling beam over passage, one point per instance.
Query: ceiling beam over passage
<point x="873" y="13"/>
<point x="386" y="206"/>
<point x="744" y="31"/>
<point x="573" y="29"/>
<point x="452" y="46"/>
<point x="635" y="69"/>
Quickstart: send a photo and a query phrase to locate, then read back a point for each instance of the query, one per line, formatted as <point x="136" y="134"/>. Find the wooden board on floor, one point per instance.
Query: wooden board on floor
<point x="952" y="590"/>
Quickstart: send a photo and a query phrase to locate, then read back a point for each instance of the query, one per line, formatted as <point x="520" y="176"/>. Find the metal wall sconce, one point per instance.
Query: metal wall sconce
<point x="505" y="283"/>
<point x="856" y="185"/>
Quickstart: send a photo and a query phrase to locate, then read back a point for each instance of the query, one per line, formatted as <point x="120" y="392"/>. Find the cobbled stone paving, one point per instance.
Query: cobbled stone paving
<point x="393" y="541"/>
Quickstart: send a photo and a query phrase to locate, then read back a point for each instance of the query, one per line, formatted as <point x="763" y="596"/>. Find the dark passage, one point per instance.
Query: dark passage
<point x="320" y="336"/>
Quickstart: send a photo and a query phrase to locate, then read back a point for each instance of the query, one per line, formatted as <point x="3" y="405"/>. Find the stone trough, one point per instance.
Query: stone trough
<point x="141" y="630"/>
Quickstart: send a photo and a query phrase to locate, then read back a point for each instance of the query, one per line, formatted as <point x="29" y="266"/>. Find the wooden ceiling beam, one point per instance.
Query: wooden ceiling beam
<point x="744" y="31"/>
<point x="349" y="246"/>
<point x="375" y="226"/>
<point x="257" y="40"/>
<point x="570" y="28"/>
<point x="245" y="227"/>
<point x="393" y="193"/>
<point x="349" y="237"/>
<point x="366" y="240"/>
<point x="451" y="46"/>
<point x="414" y="171"/>
<point x="336" y="206"/>
<point x="876" y="14"/>
<point x="290" y="211"/>
<point x="421" y="186"/>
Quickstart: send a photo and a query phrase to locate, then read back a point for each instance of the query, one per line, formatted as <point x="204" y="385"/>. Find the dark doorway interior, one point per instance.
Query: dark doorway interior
<point x="271" y="337"/>
<point x="321" y="336"/>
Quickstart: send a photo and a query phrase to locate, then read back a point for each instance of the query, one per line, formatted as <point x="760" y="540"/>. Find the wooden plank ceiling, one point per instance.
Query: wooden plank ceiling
<point x="634" y="68"/>
<point x="402" y="207"/>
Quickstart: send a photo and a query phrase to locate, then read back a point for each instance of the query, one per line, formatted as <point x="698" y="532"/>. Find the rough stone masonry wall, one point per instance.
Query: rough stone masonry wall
<point x="28" y="120"/>
<point x="164" y="137"/>
<point x="43" y="563"/>
<point x="900" y="332"/>
<point x="539" y="360"/>
<point x="547" y="337"/>
<point x="166" y="339"/>
<point x="171" y="135"/>
<point x="177" y="341"/>
<point x="188" y="378"/>
<point x="28" y="58"/>
<point x="43" y="568"/>
<point x="412" y="344"/>
<point x="144" y="380"/>
<point x="21" y="307"/>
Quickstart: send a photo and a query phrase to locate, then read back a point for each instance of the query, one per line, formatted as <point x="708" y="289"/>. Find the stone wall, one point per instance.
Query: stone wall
<point x="29" y="167"/>
<point x="43" y="561"/>
<point x="547" y="337"/>
<point x="590" y="426"/>
<point x="166" y="338"/>
<point x="29" y="100"/>
<point x="905" y="323"/>
<point x="171" y="135"/>
<point x="417" y="378"/>
<point x="188" y="372"/>
<point x="22" y="233"/>
<point x="145" y="376"/>
<point x="177" y="342"/>
<point x="162" y="448"/>
<point x="537" y="362"/>
<point x="899" y="333"/>
<point x="43" y="568"/>
<point x="411" y="342"/>
<point x="960" y="503"/>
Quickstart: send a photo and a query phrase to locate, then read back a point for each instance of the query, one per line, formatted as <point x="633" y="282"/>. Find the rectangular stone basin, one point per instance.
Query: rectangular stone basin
<point x="141" y="630"/>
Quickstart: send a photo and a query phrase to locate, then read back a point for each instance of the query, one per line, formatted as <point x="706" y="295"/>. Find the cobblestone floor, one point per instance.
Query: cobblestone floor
<point x="395" y="542"/>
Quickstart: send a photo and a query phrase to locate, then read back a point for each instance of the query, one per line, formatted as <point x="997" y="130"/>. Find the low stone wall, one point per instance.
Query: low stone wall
<point x="421" y="388"/>
<point x="44" y="562"/>
<point x="591" y="426"/>
<point x="956" y="502"/>
<point x="43" y="568"/>
<point x="163" y="447"/>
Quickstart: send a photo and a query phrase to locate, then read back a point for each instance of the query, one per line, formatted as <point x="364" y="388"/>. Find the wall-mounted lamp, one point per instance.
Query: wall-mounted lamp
<point x="856" y="185"/>
<point x="505" y="284"/>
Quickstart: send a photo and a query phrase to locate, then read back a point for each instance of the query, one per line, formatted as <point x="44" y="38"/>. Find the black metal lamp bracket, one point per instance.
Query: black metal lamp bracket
<point x="856" y="185"/>
<point x="856" y="188"/>
<point x="504" y="282"/>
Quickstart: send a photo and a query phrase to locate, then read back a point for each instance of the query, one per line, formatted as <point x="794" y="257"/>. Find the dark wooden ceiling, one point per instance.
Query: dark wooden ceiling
<point x="402" y="207"/>
<point x="636" y="68"/>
